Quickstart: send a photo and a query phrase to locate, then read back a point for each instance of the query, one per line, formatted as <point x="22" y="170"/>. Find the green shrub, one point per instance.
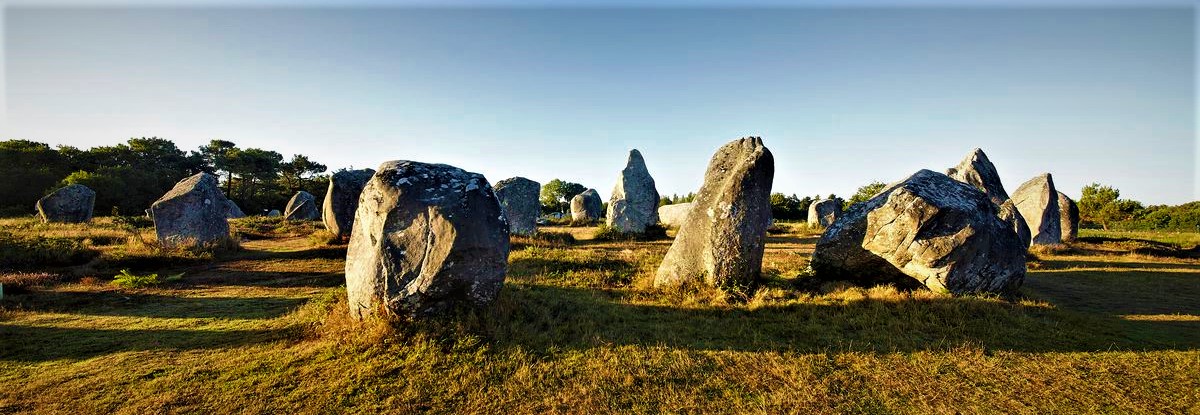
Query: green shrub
<point x="127" y="279"/>
<point x="22" y="252"/>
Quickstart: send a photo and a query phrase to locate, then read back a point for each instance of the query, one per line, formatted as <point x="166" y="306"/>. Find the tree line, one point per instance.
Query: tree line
<point x="130" y="176"/>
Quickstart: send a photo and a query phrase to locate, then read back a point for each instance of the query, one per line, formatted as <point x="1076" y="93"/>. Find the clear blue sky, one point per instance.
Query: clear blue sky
<point x="841" y="96"/>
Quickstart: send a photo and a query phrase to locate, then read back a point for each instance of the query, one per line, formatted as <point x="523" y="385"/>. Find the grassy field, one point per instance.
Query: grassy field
<point x="1102" y="327"/>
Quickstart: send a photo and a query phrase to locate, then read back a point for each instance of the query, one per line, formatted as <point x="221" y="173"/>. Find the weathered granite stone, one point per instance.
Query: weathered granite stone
<point x="1011" y="216"/>
<point x="722" y="240"/>
<point x="232" y="211"/>
<point x="1038" y="202"/>
<point x="1068" y="218"/>
<point x="302" y="206"/>
<point x="193" y="212"/>
<point x="674" y="215"/>
<point x="823" y="213"/>
<point x="634" y="202"/>
<point x="70" y="204"/>
<point x="426" y="237"/>
<point x="519" y="198"/>
<point x="927" y="230"/>
<point x="341" y="200"/>
<point x="979" y="172"/>
<point x="586" y="207"/>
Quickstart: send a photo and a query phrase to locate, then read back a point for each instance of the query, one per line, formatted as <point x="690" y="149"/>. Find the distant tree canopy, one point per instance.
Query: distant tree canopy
<point x="864" y="193"/>
<point x="1102" y="206"/>
<point x="128" y="177"/>
<point x="676" y="199"/>
<point x="785" y="207"/>
<point x="557" y="194"/>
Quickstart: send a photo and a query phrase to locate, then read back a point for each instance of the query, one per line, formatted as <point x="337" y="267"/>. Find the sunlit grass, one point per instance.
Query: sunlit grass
<point x="579" y="328"/>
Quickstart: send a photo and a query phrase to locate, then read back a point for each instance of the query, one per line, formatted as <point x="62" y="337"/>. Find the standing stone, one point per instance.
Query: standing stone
<point x="722" y="240"/>
<point x="302" y="206"/>
<point x="70" y="204"/>
<point x="586" y="207"/>
<point x="232" y="211"/>
<point x="1068" y="213"/>
<point x="979" y="172"/>
<point x="674" y="215"/>
<point x="1011" y="216"/>
<point x="634" y="202"/>
<point x="193" y="212"/>
<point x="927" y="230"/>
<point x="425" y="238"/>
<point x="1038" y="202"/>
<point x="519" y="198"/>
<point x="823" y="213"/>
<point x="341" y="200"/>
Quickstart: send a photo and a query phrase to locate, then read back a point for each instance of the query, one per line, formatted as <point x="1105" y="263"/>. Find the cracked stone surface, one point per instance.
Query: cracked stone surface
<point x="426" y="238"/>
<point x="925" y="231"/>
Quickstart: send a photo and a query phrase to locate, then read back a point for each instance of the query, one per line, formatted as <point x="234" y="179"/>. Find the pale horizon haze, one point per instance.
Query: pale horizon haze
<point x="841" y="96"/>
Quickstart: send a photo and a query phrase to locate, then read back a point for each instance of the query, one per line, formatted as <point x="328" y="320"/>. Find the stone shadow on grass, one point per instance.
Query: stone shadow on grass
<point x="120" y="303"/>
<point x="546" y="318"/>
<point x="39" y="344"/>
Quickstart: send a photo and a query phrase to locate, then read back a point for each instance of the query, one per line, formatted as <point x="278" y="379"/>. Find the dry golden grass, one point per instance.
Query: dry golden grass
<point x="580" y="329"/>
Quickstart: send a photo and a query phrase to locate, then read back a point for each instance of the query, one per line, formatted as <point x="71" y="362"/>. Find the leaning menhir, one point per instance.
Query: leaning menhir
<point x="1068" y="213"/>
<point x="722" y="240"/>
<point x="927" y="230"/>
<point x="519" y="198"/>
<point x="341" y="200"/>
<point x="425" y="238"/>
<point x="70" y="204"/>
<point x="634" y="203"/>
<point x="194" y="211"/>
<point x="1037" y="200"/>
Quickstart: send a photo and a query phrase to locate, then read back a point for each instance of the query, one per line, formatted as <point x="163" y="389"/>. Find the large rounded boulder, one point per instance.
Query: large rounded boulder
<point x="633" y="205"/>
<point x="721" y="241"/>
<point x="586" y="207"/>
<point x="426" y="238"/>
<point x="1068" y="214"/>
<point x="928" y="230"/>
<point x="674" y="215"/>
<point x="822" y="213"/>
<point x="193" y="212"/>
<point x="341" y="200"/>
<point x="70" y="204"/>
<point x="519" y="198"/>
<point x="1038" y="202"/>
<point x="302" y="206"/>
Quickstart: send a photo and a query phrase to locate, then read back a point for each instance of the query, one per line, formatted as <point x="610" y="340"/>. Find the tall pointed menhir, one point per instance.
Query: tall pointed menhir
<point x="722" y="240"/>
<point x="634" y="202"/>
